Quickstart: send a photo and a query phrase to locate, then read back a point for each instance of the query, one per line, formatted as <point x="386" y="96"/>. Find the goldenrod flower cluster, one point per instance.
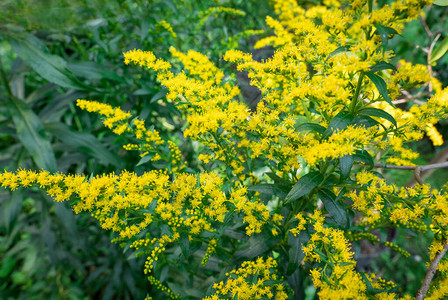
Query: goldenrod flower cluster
<point x="210" y="250"/>
<point x="326" y="113"/>
<point x="250" y="282"/>
<point x="205" y="15"/>
<point x="150" y="142"/>
<point x="187" y="205"/>
<point x="341" y="281"/>
<point x="167" y="26"/>
<point x="379" y="201"/>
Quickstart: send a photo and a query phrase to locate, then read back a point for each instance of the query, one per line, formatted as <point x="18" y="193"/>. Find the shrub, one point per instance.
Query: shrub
<point x="288" y="191"/>
<point x="53" y="52"/>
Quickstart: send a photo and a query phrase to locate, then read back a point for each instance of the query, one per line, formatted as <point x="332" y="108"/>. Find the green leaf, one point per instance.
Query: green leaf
<point x="295" y="251"/>
<point x="149" y="210"/>
<point x="272" y="282"/>
<point x="384" y="33"/>
<point x="333" y="206"/>
<point x="381" y="86"/>
<point x="69" y="221"/>
<point x="375" y="112"/>
<point x="441" y="2"/>
<point x="304" y="186"/>
<point x="382" y="65"/>
<point x="32" y="259"/>
<point x="219" y="131"/>
<point x="363" y="156"/>
<point x="255" y="246"/>
<point x="157" y="96"/>
<point x="84" y="142"/>
<point x="93" y="71"/>
<point x="336" y="51"/>
<point x="440" y="50"/>
<point x="145" y="159"/>
<point x="345" y="264"/>
<point x="345" y="163"/>
<point x="122" y="216"/>
<point x="165" y="229"/>
<point x="323" y="257"/>
<point x="270" y="190"/>
<point x="185" y="245"/>
<point x="339" y="122"/>
<point x="278" y="180"/>
<point x="255" y="278"/>
<point x="10" y="210"/>
<point x="311" y="127"/>
<point x="370" y="289"/>
<point x="364" y="121"/>
<point x="7" y="265"/>
<point x="31" y="134"/>
<point x="229" y="216"/>
<point x="51" y="67"/>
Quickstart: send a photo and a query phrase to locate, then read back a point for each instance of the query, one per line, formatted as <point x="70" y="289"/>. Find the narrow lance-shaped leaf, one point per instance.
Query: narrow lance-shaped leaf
<point x="370" y="288"/>
<point x="441" y="2"/>
<point x="84" y="142"/>
<point x="363" y="156"/>
<point x="185" y="245"/>
<point x="440" y="50"/>
<point x="269" y="189"/>
<point x="336" y="51"/>
<point x="384" y="33"/>
<point x="51" y="67"/>
<point x="304" y="186"/>
<point x="375" y="112"/>
<point x="278" y="180"/>
<point x="7" y="266"/>
<point x="381" y="86"/>
<point x="339" y="122"/>
<point x="10" y="208"/>
<point x="364" y="121"/>
<point x="92" y="71"/>
<point x="346" y="163"/>
<point x="311" y="127"/>
<point x="333" y="206"/>
<point x="30" y="133"/>
<point x="295" y="252"/>
<point x="382" y="65"/>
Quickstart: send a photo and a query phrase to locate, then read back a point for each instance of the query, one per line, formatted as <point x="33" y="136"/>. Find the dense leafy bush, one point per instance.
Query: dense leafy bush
<point x="53" y="53"/>
<point x="287" y="194"/>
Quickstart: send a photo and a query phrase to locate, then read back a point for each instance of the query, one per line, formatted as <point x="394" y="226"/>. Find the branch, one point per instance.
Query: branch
<point x="426" y="27"/>
<point x="421" y="293"/>
<point x="409" y="97"/>
<point x="431" y="44"/>
<point x="431" y="47"/>
<point x="378" y="165"/>
<point x="417" y="169"/>
<point x="423" y="168"/>
<point x="442" y="156"/>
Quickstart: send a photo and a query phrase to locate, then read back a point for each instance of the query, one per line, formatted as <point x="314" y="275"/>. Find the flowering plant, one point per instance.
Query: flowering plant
<point x="290" y="188"/>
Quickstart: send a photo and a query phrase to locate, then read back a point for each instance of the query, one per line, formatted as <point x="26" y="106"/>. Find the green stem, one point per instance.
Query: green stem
<point x="330" y="171"/>
<point x="356" y="95"/>
<point x="324" y="168"/>
<point x="306" y="110"/>
<point x="222" y="147"/>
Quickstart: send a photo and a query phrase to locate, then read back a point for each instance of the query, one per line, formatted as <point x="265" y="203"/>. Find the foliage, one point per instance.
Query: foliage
<point x="53" y="52"/>
<point x="285" y="192"/>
